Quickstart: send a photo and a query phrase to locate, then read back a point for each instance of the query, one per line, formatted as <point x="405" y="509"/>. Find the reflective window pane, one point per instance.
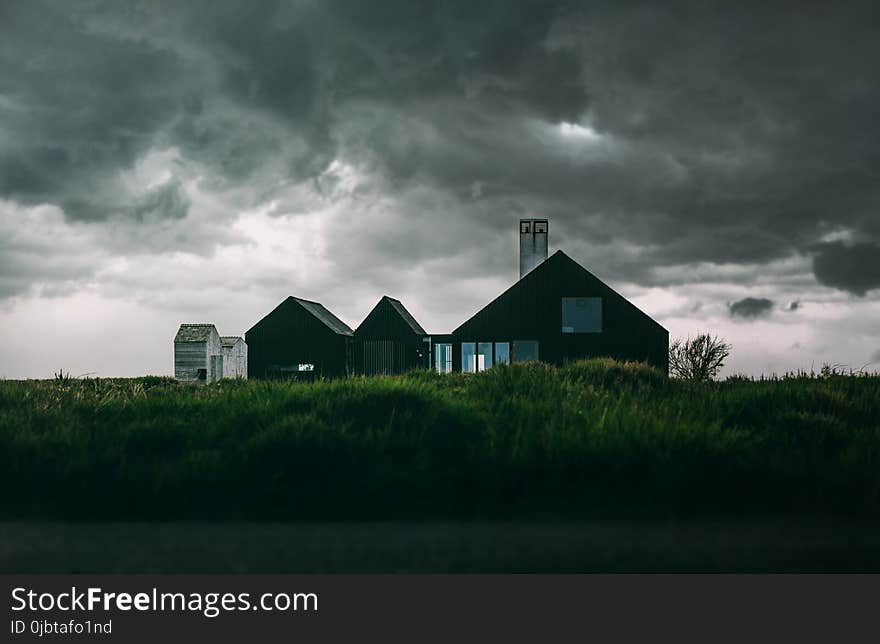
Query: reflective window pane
<point x="468" y="357"/>
<point x="525" y="350"/>
<point x="582" y="315"/>
<point x="484" y="356"/>
<point x="443" y="358"/>
<point x="502" y="353"/>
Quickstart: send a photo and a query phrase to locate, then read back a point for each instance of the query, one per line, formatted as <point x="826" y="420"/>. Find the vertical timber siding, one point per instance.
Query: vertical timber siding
<point x="289" y="336"/>
<point x="215" y="357"/>
<point x="531" y="309"/>
<point x="235" y="360"/>
<point x="385" y="342"/>
<point x="384" y="356"/>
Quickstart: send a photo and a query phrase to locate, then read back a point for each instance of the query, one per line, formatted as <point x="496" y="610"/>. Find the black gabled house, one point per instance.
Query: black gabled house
<point x="558" y="311"/>
<point x="299" y="339"/>
<point x="389" y="340"/>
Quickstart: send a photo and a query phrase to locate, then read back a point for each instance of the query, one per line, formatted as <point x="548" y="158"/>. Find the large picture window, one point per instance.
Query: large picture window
<point x="582" y="315"/>
<point x="476" y="356"/>
<point x="502" y="353"/>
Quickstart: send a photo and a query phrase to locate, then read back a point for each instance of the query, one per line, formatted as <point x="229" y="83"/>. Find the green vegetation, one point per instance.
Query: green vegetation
<point x="591" y="439"/>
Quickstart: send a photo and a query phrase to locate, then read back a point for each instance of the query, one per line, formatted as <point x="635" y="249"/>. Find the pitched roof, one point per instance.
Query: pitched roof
<point x="230" y="340"/>
<point x="555" y="261"/>
<point x="330" y="321"/>
<point x="194" y="332"/>
<point x="406" y="315"/>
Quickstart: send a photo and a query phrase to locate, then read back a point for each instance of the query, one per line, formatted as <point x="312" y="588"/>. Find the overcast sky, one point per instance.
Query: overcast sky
<point x="162" y="164"/>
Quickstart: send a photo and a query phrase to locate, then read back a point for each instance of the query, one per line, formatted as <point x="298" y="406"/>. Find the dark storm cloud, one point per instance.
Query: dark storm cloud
<point x="736" y="139"/>
<point x="80" y="106"/>
<point x="493" y="52"/>
<point x="849" y="267"/>
<point x="166" y="201"/>
<point x="736" y="135"/>
<point x="751" y="307"/>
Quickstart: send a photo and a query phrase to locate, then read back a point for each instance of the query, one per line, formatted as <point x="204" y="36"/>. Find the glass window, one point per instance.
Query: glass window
<point x="468" y="357"/>
<point x="484" y="356"/>
<point x="525" y="350"/>
<point x="502" y="353"/>
<point x="540" y="226"/>
<point x="443" y="358"/>
<point x="524" y="227"/>
<point x="582" y="315"/>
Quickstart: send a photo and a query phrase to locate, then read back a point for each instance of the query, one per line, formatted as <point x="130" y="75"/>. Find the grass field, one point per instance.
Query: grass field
<point x="594" y="439"/>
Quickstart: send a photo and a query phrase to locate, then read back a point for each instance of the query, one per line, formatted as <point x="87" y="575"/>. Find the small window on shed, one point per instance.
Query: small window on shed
<point x="202" y="374"/>
<point x="582" y="315"/>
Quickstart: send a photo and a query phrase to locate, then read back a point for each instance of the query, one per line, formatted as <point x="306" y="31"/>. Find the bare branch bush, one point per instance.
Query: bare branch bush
<point x="698" y="358"/>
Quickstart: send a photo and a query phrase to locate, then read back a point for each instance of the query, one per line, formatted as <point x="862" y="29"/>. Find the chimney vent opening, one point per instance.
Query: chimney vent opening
<point x="532" y="244"/>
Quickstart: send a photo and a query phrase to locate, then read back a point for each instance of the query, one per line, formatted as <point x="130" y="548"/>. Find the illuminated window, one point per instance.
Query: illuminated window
<point x="582" y="315"/>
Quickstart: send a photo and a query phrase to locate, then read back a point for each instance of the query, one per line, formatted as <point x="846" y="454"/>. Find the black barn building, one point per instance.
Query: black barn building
<point x="299" y="339"/>
<point x="389" y="340"/>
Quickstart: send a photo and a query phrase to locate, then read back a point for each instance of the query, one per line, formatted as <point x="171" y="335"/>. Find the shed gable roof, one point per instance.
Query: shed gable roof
<point x="230" y="340"/>
<point x="194" y="332"/>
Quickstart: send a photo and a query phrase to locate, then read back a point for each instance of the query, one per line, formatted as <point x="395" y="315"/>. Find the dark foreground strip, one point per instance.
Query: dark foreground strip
<point x="765" y="545"/>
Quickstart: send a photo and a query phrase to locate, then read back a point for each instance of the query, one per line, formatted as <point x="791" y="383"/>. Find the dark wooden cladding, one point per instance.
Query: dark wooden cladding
<point x="290" y="336"/>
<point x="531" y="309"/>
<point x="389" y="340"/>
<point x="383" y="356"/>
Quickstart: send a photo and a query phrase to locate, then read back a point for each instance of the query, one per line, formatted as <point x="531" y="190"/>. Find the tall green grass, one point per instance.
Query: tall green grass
<point x="591" y="439"/>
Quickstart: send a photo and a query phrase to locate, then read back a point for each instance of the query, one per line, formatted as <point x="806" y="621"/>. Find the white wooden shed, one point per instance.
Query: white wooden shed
<point x="234" y="356"/>
<point x="198" y="353"/>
